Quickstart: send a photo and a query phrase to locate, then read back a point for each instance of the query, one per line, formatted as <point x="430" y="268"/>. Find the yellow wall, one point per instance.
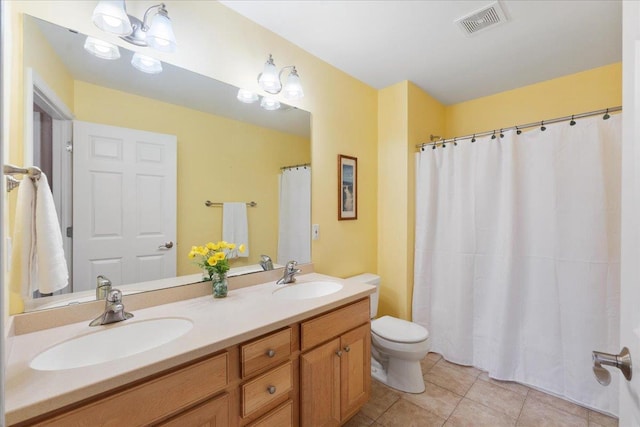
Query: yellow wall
<point x="576" y="93"/>
<point x="217" y="42"/>
<point x="218" y="159"/>
<point x="406" y="114"/>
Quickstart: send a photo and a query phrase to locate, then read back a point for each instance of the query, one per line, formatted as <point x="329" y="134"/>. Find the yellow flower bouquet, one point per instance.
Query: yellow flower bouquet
<point x="214" y="259"/>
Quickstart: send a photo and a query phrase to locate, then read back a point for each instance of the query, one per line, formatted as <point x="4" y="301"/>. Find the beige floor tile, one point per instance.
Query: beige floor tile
<point x="537" y="413"/>
<point x="433" y="356"/>
<point x="509" y="385"/>
<point x="558" y="403"/>
<point x="427" y="363"/>
<point x="467" y="370"/>
<point x="497" y="398"/>
<point x="406" y="414"/>
<point x="602" y="420"/>
<point x="470" y="413"/>
<point x="451" y="379"/>
<point x="382" y="397"/>
<point x="359" y="420"/>
<point x="436" y="399"/>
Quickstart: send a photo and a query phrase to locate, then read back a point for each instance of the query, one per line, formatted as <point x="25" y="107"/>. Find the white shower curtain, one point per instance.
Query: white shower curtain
<point x="294" y="228"/>
<point x="517" y="255"/>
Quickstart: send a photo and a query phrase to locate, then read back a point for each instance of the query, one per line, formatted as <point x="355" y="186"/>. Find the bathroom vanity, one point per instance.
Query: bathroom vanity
<point x="255" y="358"/>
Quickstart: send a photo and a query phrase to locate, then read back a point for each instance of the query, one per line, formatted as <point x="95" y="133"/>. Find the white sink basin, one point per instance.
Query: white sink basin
<point x="115" y="341"/>
<point x="306" y="290"/>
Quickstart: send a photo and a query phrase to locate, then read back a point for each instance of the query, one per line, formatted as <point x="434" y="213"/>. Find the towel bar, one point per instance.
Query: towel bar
<point x="210" y="204"/>
<point x="32" y="172"/>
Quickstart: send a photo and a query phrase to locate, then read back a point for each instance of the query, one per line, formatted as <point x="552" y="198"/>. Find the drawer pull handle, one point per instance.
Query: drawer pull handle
<point x="271" y="353"/>
<point x="271" y="389"/>
<point x="347" y="349"/>
<point x="339" y="353"/>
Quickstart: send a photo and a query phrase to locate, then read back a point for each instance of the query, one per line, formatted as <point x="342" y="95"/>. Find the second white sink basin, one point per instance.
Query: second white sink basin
<point x="306" y="290"/>
<point x="114" y="342"/>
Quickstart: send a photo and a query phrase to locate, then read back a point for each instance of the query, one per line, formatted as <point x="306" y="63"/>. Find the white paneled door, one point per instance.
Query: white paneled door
<point x="124" y="206"/>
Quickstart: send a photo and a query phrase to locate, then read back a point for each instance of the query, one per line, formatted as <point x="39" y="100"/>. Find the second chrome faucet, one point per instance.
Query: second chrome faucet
<point x="290" y="271"/>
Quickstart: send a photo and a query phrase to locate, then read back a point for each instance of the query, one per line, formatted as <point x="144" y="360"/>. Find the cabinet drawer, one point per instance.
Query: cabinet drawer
<point x="266" y="388"/>
<point x="214" y="412"/>
<point x="332" y="324"/>
<point x="279" y="417"/>
<point x="267" y="351"/>
<point x="152" y="400"/>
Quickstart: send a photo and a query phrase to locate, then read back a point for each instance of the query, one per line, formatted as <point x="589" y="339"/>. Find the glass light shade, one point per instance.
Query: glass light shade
<point x="293" y="88"/>
<point x="146" y="64"/>
<point x="269" y="103"/>
<point x="247" y="96"/>
<point x="111" y="16"/>
<point x="160" y="34"/>
<point x="101" y="49"/>
<point x="269" y="80"/>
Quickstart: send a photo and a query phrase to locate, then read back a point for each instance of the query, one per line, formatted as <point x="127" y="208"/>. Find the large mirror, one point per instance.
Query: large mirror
<point x="226" y="151"/>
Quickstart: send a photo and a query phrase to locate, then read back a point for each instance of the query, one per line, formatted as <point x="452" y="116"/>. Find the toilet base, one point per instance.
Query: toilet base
<point x="400" y="374"/>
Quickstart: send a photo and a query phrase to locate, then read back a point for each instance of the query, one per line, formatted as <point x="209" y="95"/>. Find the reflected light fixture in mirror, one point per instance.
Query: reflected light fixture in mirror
<point x="101" y="48"/>
<point x="269" y="104"/>
<point x="146" y="64"/>
<point x="270" y="80"/>
<point x="111" y="16"/>
<point x="247" y="96"/>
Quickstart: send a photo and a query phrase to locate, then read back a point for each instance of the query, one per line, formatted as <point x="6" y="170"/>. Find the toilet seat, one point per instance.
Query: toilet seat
<point x="398" y="330"/>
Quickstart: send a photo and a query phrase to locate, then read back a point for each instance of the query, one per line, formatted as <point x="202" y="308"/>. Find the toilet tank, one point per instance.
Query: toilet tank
<point x="369" y="279"/>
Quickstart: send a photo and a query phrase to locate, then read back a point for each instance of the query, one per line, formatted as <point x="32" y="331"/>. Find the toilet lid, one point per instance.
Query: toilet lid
<point x="398" y="330"/>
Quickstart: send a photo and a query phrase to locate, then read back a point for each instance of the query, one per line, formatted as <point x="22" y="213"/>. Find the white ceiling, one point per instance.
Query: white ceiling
<point x="383" y="42"/>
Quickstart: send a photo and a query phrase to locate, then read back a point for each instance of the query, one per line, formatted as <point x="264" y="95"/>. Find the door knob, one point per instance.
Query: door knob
<point x="167" y="245"/>
<point x="621" y="361"/>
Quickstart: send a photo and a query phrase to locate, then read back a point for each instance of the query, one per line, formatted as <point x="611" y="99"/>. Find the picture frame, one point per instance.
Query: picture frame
<point x="347" y="187"/>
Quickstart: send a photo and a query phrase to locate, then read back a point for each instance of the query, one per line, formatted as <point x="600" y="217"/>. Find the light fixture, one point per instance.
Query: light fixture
<point x="270" y="80"/>
<point x="146" y="64"/>
<point x="269" y="103"/>
<point x="101" y="48"/>
<point x="111" y="16"/>
<point x="247" y="96"/>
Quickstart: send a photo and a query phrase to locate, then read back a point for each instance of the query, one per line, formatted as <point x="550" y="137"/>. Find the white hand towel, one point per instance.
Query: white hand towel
<point x="52" y="271"/>
<point x="22" y="251"/>
<point x="235" y="228"/>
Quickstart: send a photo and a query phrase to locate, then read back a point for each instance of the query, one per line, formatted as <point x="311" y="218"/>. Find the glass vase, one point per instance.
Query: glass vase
<point x="219" y="284"/>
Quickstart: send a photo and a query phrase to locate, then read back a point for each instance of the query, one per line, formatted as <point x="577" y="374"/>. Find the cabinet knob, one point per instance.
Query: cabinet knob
<point x="271" y="389"/>
<point x="347" y="349"/>
<point x="339" y="353"/>
<point x="271" y="353"/>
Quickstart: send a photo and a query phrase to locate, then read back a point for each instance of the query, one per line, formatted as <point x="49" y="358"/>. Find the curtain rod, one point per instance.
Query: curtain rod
<point x="305" y="165"/>
<point x="519" y="128"/>
<point x="210" y="204"/>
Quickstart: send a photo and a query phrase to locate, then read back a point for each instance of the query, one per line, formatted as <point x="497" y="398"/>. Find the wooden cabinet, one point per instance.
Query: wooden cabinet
<point x="313" y="373"/>
<point x="335" y="377"/>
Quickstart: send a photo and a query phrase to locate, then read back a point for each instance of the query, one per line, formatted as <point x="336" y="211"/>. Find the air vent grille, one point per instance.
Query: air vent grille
<point x="487" y="17"/>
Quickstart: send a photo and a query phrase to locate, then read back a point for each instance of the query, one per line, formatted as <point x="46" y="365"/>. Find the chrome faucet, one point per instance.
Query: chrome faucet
<point x="289" y="273"/>
<point x="113" y="310"/>
<point x="266" y="263"/>
<point x="103" y="287"/>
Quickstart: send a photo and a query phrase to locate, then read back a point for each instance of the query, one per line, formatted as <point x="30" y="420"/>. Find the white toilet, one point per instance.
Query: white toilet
<point x="397" y="346"/>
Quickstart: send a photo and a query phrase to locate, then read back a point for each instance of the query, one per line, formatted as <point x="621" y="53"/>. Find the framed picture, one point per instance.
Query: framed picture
<point x="347" y="187"/>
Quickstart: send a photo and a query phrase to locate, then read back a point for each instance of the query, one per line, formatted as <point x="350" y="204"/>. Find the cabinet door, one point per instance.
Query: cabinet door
<point x="355" y="370"/>
<point x="320" y="386"/>
<point x="212" y="413"/>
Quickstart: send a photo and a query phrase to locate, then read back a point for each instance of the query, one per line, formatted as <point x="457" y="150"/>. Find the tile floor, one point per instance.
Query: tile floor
<point x="465" y="396"/>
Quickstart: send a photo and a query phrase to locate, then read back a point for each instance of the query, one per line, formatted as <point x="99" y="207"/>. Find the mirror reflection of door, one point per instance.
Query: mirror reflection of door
<point x="50" y="131"/>
<point x="124" y="206"/>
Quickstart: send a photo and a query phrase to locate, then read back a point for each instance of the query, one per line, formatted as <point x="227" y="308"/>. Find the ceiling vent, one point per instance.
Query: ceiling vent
<point x="489" y="16"/>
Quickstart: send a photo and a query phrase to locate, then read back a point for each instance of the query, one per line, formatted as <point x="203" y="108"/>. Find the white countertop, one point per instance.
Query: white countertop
<point x="217" y="324"/>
